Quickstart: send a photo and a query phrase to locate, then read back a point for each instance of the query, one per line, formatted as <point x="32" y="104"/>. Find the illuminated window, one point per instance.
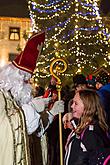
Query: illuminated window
<point x="14" y="33"/>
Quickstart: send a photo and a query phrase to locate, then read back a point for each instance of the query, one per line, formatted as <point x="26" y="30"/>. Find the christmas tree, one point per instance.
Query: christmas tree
<point x="74" y="32"/>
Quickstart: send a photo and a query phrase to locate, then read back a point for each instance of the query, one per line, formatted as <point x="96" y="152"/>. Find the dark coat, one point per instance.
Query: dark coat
<point x="78" y="154"/>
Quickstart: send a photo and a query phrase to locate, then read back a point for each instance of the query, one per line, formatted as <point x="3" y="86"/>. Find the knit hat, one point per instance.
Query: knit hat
<point x="91" y="80"/>
<point x="26" y="60"/>
<point x="102" y="80"/>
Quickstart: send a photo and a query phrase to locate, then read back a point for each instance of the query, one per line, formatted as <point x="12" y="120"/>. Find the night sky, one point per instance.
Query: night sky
<point x="16" y="8"/>
<point x="19" y="8"/>
<point x="12" y="1"/>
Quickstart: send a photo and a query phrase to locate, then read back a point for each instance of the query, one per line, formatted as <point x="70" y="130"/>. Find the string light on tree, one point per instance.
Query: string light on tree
<point x="75" y="32"/>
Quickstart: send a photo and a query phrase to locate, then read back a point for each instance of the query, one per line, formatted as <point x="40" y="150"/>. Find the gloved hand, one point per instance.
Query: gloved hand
<point x="39" y="103"/>
<point x="57" y="108"/>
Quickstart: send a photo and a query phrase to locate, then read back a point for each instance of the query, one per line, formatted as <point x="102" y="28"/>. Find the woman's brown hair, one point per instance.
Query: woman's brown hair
<point x="93" y="109"/>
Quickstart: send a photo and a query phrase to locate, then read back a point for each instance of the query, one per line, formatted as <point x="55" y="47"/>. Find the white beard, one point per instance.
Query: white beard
<point x="22" y="94"/>
<point x="13" y="79"/>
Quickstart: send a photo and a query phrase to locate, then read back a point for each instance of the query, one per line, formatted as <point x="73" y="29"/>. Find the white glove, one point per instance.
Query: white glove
<point x="57" y="108"/>
<point x="40" y="103"/>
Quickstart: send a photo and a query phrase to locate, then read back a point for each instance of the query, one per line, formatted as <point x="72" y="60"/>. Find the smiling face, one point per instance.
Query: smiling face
<point x="77" y="106"/>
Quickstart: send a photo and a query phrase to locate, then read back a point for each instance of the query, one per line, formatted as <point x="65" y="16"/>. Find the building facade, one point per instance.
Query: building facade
<point x="13" y="34"/>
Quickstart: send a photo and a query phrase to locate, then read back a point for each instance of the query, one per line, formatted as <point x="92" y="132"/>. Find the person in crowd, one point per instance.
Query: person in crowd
<point x="103" y="90"/>
<point x="79" y="81"/>
<point x="67" y="120"/>
<point x="101" y="80"/>
<point x="68" y="128"/>
<point x="91" y="131"/>
<point x="20" y="113"/>
<point x="51" y="88"/>
<point x="67" y="94"/>
<point x="91" y="82"/>
<point x="52" y="139"/>
<point x="51" y="91"/>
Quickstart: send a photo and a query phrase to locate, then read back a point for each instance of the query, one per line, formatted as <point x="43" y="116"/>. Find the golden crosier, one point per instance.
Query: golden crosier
<point x="55" y="72"/>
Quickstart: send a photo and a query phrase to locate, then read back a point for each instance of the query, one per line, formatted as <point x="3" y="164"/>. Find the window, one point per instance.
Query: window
<point x="14" y="33"/>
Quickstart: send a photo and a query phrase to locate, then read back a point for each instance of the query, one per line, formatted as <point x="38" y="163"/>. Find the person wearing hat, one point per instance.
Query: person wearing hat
<point x="79" y="81"/>
<point x="103" y="90"/>
<point x="91" y="82"/>
<point x="101" y="80"/>
<point x="20" y="113"/>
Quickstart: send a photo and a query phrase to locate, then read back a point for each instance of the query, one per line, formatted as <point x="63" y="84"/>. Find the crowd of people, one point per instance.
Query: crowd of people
<point x="90" y="135"/>
<point x="29" y="125"/>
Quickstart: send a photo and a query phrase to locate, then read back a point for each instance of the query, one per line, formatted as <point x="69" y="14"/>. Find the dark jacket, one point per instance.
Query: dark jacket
<point x="80" y="149"/>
